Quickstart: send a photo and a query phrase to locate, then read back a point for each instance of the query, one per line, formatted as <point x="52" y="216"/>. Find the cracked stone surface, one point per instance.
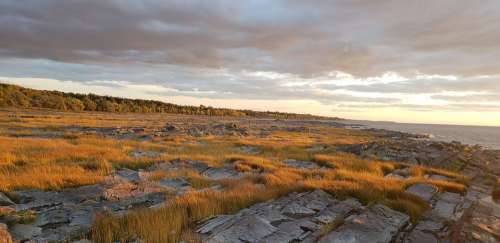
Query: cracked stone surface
<point x="378" y="224"/>
<point x="295" y="217"/>
<point x="423" y="191"/>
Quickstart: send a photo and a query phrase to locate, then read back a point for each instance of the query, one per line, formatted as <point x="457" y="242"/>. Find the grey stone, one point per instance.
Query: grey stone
<point x="423" y="191"/>
<point x="22" y="232"/>
<point x="127" y="174"/>
<point x="292" y="230"/>
<point x="335" y="211"/>
<point x="447" y="203"/>
<point x="300" y="164"/>
<point x="149" y="154"/>
<point x="419" y="236"/>
<point x="5" y="201"/>
<point x="379" y="224"/>
<point x="52" y="217"/>
<point x="296" y="210"/>
<point x="174" y="182"/>
<point x="213" y="223"/>
<point x="222" y="173"/>
<point x="438" y="177"/>
<point x="246" y="229"/>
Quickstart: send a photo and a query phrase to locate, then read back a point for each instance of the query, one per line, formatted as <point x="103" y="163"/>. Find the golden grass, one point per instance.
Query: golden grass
<point x="173" y="222"/>
<point x="75" y="159"/>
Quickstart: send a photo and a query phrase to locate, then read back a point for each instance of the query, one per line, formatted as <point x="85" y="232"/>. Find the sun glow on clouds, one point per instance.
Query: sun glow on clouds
<point x="339" y="100"/>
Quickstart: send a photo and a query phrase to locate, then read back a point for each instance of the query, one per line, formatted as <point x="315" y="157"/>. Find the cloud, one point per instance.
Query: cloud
<point x="412" y="55"/>
<point x="306" y="38"/>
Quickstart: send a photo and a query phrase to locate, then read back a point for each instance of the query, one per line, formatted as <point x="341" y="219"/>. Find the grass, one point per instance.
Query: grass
<point x="30" y="161"/>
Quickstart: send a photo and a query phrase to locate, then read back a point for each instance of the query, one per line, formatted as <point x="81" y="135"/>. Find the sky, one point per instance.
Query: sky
<point x="417" y="61"/>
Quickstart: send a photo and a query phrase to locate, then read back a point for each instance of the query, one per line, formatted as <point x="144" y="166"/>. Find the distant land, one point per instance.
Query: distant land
<point x="20" y="97"/>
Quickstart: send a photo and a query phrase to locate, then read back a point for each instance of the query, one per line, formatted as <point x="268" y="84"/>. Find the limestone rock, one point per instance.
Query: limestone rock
<point x="423" y="191"/>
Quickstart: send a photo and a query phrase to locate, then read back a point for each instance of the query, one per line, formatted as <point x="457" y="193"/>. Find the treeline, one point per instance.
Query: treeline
<point x="17" y="96"/>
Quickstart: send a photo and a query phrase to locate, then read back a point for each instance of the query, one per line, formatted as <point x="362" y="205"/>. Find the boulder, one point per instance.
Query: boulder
<point x="4" y="234"/>
<point x="423" y="191"/>
<point x="5" y="201"/>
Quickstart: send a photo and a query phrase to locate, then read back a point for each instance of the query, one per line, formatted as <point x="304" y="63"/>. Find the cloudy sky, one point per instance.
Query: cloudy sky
<point x="411" y="61"/>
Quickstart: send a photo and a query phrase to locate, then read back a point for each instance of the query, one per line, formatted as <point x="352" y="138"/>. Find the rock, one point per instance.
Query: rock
<point x="292" y="231"/>
<point x="118" y="191"/>
<point x="418" y="236"/>
<point x="249" y="149"/>
<point x="52" y="218"/>
<point x="446" y="204"/>
<point x="423" y="191"/>
<point x="425" y="231"/>
<point x="127" y="174"/>
<point x="296" y="210"/>
<point x="4" y="234"/>
<point x="246" y="229"/>
<point x="213" y="223"/>
<point x="439" y="177"/>
<point x="38" y="200"/>
<point x="379" y="224"/>
<point x="22" y="232"/>
<point x="5" y="201"/>
<point x="222" y="173"/>
<point x="337" y="210"/>
<point x="148" y="154"/>
<point x="176" y="183"/>
<point x="395" y="176"/>
<point x="300" y="164"/>
<point x="82" y="241"/>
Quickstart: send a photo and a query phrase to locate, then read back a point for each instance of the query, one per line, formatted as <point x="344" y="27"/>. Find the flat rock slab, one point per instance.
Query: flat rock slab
<point x="222" y="173"/>
<point x="447" y="203"/>
<point x="426" y="231"/>
<point x="246" y="229"/>
<point x="379" y="224"/>
<point x="127" y="174"/>
<point x="423" y="191"/>
<point x="21" y="232"/>
<point x="290" y="218"/>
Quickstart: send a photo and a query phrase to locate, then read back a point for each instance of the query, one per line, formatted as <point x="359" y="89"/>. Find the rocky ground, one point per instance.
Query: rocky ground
<point x="311" y="216"/>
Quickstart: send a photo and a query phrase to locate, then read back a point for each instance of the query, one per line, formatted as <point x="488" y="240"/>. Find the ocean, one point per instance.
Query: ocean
<point x="485" y="136"/>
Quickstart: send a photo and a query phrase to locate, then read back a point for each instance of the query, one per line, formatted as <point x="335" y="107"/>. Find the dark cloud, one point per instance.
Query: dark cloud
<point x="301" y="37"/>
